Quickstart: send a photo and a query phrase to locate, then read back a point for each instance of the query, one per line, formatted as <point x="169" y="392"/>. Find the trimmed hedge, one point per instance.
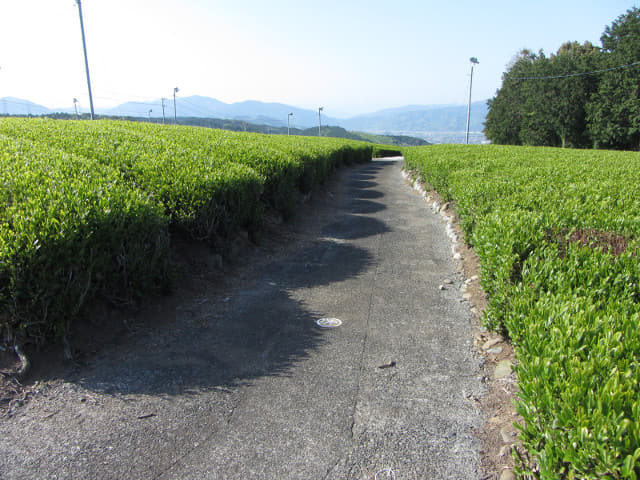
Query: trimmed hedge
<point x="87" y="208"/>
<point x="70" y="229"/>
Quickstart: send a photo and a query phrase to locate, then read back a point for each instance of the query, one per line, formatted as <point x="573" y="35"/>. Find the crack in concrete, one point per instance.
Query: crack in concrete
<point x="356" y="398"/>
<point x="364" y="342"/>
<point x="200" y="445"/>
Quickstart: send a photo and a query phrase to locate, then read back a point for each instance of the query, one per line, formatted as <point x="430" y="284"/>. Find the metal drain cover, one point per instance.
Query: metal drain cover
<point x="328" y="322"/>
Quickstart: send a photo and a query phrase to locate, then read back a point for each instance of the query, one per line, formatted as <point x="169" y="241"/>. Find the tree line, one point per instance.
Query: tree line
<point x="583" y="96"/>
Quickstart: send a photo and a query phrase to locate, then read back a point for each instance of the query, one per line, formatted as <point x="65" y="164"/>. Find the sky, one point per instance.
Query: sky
<point x="349" y="56"/>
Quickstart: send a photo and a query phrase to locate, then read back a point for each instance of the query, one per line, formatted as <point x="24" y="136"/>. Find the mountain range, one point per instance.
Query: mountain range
<point x="435" y="123"/>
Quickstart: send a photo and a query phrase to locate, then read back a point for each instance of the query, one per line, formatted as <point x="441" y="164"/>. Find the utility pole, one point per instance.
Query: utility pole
<point x="163" y="110"/>
<point x="320" y="121"/>
<point x="288" y="117"/>
<point x="86" y="61"/>
<point x="175" y="114"/>
<point x="474" y="61"/>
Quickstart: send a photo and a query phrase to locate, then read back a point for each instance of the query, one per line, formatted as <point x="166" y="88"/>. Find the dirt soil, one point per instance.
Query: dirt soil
<point x="198" y="264"/>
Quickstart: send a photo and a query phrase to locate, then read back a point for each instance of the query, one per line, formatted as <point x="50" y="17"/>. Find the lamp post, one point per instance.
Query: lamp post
<point x="320" y="121"/>
<point x="175" y="114"/>
<point x="288" y="117"/>
<point x="86" y="61"/>
<point x="75" y="105"/>
<point x="150" y="110"/>
<point x="474" y="62"/>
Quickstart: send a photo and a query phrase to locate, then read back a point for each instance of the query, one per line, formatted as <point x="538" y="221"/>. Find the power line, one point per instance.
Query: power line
<point x="136" y="96"/>
<point x="580" y="74"/>
<point x="150" y="104"/>
<point x="194" y="107"/>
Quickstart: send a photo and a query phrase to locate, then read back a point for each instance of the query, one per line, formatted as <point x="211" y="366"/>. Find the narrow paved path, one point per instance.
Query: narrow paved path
<point x="246" y="386"/>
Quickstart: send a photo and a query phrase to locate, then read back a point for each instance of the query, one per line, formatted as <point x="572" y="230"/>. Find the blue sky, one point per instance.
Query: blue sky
<point x="350" y="56"/>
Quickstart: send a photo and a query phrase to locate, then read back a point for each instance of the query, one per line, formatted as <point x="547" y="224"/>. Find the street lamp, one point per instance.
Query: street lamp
<point x="320" y="121"/>
<point x="474" y="62"/>
<point x="175" y="114"/>
<point x="75" y="105"/>
<point x="288" y="117"/>
<point x="150" y="110"/>
<point x="86" y="61"/>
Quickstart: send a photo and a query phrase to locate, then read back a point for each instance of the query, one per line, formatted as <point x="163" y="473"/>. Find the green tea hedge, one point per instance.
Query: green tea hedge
<point x="70" y="229"/>
<point x="87" y="208"/>
<point x="557" y="233"/>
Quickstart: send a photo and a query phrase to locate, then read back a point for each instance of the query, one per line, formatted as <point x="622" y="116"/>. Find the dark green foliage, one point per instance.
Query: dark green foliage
<point x="547" y="101"/>
<point x="529" y="110"/>
<point x="394" y="140"/>
<point x="614" y="112"/>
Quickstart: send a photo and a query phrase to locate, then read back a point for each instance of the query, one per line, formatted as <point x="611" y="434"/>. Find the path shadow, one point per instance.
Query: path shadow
<point x="364" y="176"/>
<point x="213" y="342"/>
<point x="352" y="227"/>
<point x="218" y="343"/>
<point x="363" y="206"/>
<point x="362" y="184"/>
<point x="369" y="194"/>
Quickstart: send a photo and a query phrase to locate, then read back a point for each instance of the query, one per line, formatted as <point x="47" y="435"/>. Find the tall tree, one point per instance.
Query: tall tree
<point x="572" y="90"/>
<point x="542" y="100"/>
<point x="539" y="122"/>
<point x="504" y="118"/>
<point x="614" y="111"/>
<point x="579" y="97"/>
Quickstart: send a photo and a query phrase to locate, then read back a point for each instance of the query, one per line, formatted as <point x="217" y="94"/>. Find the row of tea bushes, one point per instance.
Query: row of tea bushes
<point x="88" y="208"/>
<point x="557" y="233"/>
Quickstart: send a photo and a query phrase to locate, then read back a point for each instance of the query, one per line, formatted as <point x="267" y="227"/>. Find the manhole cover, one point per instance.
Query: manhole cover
<point x="329" y="322"/>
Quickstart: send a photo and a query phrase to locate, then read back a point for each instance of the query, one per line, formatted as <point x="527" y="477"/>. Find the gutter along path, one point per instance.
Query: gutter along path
<point x="242" y="384"/>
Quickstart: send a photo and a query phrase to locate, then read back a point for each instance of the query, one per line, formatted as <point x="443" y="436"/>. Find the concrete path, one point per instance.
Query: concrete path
<point x="246" y="386"/>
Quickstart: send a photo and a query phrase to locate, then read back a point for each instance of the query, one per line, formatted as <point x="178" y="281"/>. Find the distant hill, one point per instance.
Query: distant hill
<point x="398" y="140"/>
<point x="196" y="106"/>
<point x="339" y="132"/>
<point x="18" y="106"/>
<point x="422" y="121"/>
<point x="435" y="123"/>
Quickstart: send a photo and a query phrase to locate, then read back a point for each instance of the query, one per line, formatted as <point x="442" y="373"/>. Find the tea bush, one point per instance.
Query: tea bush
<point x="557" y="234"/>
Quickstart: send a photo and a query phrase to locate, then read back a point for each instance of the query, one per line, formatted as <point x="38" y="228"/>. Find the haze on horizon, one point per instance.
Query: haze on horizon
<point x="350" y="57"/>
